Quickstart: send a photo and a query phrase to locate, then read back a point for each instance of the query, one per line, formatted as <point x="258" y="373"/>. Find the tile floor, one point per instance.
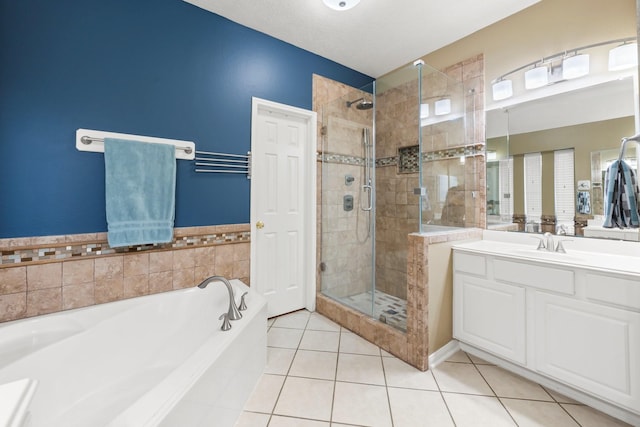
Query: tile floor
<point x="319" y="374"/>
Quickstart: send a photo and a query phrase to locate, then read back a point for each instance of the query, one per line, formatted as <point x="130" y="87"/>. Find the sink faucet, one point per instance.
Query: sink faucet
<point x="233" y="313"/>
<point x="548" y="241"/>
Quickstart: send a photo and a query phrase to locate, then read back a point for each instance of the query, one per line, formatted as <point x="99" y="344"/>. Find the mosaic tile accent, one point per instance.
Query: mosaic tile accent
<point x="386" y="308"/>
<point x="408" y="159"/>
<point x="455" y="152"/>
<point x="386" y="161"/>
<point x="65" y="251"/>
<point x="340" y="159"/>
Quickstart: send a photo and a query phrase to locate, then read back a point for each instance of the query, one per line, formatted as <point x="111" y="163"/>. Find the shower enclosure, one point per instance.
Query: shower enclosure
<point x="394" y="162"/>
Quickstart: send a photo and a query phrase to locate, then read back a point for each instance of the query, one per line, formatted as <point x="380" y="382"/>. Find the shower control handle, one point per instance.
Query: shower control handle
<point x="369" y="190"/>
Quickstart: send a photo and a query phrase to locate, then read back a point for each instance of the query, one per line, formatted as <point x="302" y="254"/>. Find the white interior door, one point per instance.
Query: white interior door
<point x="283" y="141"/>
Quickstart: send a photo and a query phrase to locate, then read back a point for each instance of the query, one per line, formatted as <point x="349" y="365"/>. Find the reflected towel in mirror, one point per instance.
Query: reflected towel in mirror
<point x="621" y="196"/>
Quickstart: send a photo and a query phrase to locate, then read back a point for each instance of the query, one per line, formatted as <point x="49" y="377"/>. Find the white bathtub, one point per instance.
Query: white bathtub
<point x="158" y="360"/>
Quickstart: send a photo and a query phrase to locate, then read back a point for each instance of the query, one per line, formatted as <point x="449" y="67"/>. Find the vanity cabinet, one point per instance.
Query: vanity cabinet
<point x="491" y="315"/>
<point x="591" y="346"/>
<point x="572" y="324"/>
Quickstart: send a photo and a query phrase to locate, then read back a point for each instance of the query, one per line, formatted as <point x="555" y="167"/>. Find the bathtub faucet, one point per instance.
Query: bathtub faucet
<point x="233" y="313"/>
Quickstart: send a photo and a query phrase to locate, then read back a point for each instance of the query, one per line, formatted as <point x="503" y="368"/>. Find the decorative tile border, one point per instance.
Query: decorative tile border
<point x="60" y="248"/>
<point x="340" y="159"/>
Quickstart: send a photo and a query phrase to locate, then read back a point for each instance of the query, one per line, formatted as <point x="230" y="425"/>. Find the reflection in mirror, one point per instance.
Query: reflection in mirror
<point x="574" y="136"/>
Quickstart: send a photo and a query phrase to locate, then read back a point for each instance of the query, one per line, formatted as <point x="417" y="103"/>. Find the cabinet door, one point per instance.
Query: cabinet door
<point x="490" y="316"/>
<point x="590" y="346"/>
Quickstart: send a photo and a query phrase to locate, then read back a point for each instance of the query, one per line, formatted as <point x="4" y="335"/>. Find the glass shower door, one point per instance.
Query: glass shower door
<point x="348" y="201"/>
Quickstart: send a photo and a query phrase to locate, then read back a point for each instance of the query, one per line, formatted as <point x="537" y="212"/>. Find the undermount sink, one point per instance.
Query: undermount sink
<point x="546" y="255"/>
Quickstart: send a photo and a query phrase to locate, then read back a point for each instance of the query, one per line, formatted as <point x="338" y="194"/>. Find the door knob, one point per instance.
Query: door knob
<point x="259" y="225"/>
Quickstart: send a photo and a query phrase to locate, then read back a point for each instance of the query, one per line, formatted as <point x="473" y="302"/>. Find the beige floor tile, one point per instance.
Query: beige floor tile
<point x="352" y="343"/>
<point x="561" y="398"/>
<point x="318" y="322"/>
<point x="589" y="417"/>
<point x="265" y="395"/>
<point x="295" y="320"/>
<point x="252" y="419"/>
<point x="361" y="404"/>
<point x="283" y="337"/>
<point x="506" y="384"/>
<point x="314" y="364"/>
<point x="477" y="360"/>
<point x="305" y="398"/>
<point x="460" y="357"/>
<point x="279" y="360"/>
<point x="532" y="413"/>
<point x="477" y="411"/>
<point x="320" y="340"/>
<point x="460" y="378"/>
<point x="411" y="408"/>
<point x="278" y="421"/>
<point x="359" y="368"/>
<point x="386" y="353"/>
<point x="401" y="374"/>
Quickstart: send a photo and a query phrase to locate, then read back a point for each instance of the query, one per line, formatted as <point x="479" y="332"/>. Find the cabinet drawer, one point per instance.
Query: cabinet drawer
<point x="535" y="276"/>
<point x="468" y="263"/>
<point x="614" y="290"/>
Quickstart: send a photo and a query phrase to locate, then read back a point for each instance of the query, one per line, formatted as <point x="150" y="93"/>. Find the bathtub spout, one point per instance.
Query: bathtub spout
<point x="233" y="313"/>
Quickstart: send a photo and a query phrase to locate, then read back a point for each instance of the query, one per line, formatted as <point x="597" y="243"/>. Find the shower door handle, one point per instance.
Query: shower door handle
<point x="369" y="190"/>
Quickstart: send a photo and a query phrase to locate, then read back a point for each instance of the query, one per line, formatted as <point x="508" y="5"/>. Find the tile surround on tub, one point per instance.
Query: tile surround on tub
<point x="40" y="275"/>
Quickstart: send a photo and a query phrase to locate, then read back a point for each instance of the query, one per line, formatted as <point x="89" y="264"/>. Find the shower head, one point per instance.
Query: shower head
<point x="362" y="104"/>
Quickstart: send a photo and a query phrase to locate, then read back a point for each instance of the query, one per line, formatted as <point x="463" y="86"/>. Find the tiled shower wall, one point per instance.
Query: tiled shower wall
<point x="443" y="144"/>
<point x="345" y="250"/>
<point x="43" y="275"/>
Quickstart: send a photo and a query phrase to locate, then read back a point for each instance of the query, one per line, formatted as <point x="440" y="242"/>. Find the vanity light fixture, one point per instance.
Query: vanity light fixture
<point x="341" y="4"/>
<point x="442" y="106"/>
<point x="545" y="71"/>
<point x="502" y="89"/>
<point x="623" y="57"/>
<point x="536" y="77"/>
<point x="575" y="66"/>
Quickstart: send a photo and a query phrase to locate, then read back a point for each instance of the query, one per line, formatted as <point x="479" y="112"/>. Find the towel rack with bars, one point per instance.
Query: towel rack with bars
<point x="211" y="162"/>
<point x="623" y="145"/>
<point x="93" y="140"/>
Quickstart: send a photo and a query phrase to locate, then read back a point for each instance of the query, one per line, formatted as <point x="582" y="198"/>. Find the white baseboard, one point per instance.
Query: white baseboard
<point x="443" y="353"/>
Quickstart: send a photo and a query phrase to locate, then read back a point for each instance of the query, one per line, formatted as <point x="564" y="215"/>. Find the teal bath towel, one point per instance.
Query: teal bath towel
<point x="140" y="185"/>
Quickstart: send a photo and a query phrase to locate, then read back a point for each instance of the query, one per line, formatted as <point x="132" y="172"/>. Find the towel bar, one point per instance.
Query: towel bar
<point x="223" y="163"/>
<point x="623" y="145"/>
<point x="93" y="141"/>
<point x="88" y="140"/>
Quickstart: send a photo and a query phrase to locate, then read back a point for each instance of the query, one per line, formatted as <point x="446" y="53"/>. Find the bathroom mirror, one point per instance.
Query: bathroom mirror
<point x="565" y="121"/>
<point x="588" y="121"/>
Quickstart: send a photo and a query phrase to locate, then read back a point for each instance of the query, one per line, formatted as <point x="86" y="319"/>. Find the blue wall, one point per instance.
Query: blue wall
<point x="150" y="67"/>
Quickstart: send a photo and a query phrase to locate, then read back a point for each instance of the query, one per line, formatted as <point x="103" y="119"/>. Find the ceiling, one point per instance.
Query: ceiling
<point x="374" y="37"/>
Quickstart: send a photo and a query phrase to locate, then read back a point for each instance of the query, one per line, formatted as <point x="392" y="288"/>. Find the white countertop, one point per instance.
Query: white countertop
<point x="584" y="256"/>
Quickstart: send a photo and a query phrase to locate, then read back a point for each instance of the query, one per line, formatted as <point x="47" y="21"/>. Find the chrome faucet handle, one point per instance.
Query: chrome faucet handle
<point x="226" y="325"/>
<point x="243" y="304"/>
<point x="541" y="246"/>
<point x="560" y="248"/>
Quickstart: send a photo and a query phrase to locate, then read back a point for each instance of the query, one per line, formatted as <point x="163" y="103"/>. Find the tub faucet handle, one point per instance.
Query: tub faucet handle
<point x="226" y="325"/>
<point x="243" y="305"/>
